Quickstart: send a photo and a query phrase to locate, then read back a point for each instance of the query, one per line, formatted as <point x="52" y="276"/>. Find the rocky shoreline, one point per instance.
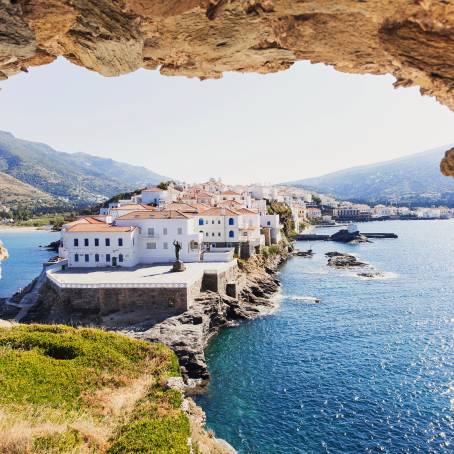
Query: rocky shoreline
<point x="188" y="334"/>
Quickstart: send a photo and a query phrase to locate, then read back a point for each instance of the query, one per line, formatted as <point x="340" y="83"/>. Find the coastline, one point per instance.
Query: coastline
<point x="25" y="229"/>
<point x="188" y="334"/>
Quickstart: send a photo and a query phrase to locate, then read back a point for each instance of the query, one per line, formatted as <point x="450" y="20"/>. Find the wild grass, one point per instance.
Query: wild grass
<point x="70" y="390"/>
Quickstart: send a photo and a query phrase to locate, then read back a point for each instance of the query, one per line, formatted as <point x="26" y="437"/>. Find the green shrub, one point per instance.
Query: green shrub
<point x="147" y="432"/>
<point x="51" y="375"/>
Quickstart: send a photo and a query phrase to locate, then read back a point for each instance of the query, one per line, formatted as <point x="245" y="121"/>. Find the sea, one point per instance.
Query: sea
<point x="25" y="258"/>
<point x="346" y="364"/>
<point x="367" y="369"/>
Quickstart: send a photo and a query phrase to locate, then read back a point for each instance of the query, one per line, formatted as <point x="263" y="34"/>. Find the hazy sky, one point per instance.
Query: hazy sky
<point x="303" y="122"/>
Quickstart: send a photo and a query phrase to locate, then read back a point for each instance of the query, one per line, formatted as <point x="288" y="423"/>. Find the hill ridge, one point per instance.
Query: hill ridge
<point x="409" y="179"/>
<point x="75" y="179"/>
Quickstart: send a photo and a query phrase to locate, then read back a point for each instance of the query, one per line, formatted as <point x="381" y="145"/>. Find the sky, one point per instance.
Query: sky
<point x="244" y="128"/>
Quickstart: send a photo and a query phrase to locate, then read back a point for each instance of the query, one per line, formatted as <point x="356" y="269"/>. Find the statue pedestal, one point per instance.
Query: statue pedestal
<point x="178" y="266"/>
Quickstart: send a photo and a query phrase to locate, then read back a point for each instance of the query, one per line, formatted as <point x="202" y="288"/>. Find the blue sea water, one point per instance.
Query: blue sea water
<point x="370" y="369"/>
<point x="25" y="258"/>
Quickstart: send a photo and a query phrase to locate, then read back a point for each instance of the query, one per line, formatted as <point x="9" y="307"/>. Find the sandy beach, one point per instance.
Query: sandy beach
<point x="17" y="229"/>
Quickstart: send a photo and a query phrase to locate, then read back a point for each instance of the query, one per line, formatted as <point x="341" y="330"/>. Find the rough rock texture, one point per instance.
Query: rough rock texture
<point x="411" y="39"/>
<point x="447" y="163"/>
<point x="187" y="334"/>
<point x="3" y="252"/>
<point x="344" y="236"/>
<point x="342" y="260"/>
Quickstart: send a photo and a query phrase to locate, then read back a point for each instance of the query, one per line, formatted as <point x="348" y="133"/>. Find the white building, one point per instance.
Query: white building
<point x="129" y="208"/>
<point x="273" y="223"/>
<point x="139" y="237"/>
<point x="157" y="230"/>
<point x="157" y="196"/>
<point x="87" y="245"/>
<point x="380" y="211"/>
<point x="222" y="227"/>
<point x="313" y="213"/>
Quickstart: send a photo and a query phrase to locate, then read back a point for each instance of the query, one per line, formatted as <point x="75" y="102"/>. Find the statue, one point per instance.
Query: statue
<point x="178" y="265"/>
<point x="178" y="247"/>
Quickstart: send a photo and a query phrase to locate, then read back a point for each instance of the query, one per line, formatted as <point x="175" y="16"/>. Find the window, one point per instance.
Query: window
<point x="212" y="222"/>
<point x="120" y="257"/>
<point x="151" y="245"/>
<point x="150" y="231"/>
<point x="96" y="257"/>
<point x="231" y="234"/>
<point x="87" y="258"/>
<point x="206" y="221"/>
<point x="219" y="233"/>
<point x="96" y="241"/>
<point x="219" y="222"/>
<point x="86" y="242"/>
<point x="180" y="231"/>
<point x="164" y="231"/>
<point x="166" y="246"/>
<point x="269" y="222"/>
<point x="107" y="241"/>
<point x="76" y="257"/>
<point x="76" y="242"/>
<point x="207" y="234"/>
<point x="200" y="221"/>
<point x="107" y="257"/>
<point x="231" y="221"/>
<point x="212" y="234"/>
<point x="120" y="241"/>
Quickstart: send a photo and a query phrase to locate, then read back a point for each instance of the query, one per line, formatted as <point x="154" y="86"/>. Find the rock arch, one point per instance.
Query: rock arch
<point x="411" y="39"/>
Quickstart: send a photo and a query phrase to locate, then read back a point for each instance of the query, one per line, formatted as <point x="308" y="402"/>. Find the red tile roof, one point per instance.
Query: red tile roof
<point x="89" y="228"/>
<point x="164" y="214"/>
<point x="134" y="207"/>
<point x="220" y="211"/>
<point x="87" y="220"/>
<point x="230" y="203"/>
<point x="153" y="190"/>
<point x="243" y="210"/>
<point x="230" y="193"/>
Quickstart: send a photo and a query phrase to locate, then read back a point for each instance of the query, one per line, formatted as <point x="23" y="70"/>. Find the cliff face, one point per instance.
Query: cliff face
<point x="413" y="40"/>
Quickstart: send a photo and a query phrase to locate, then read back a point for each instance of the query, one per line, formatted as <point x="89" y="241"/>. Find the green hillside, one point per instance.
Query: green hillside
<point x="77" y="179"/>
<point x="69" y="390"/>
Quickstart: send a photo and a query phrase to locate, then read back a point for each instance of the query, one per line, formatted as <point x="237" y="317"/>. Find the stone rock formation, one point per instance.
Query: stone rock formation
<point x="411" y="39"/>
<point x="343" y="260"/>
<point x="447" y="163"/>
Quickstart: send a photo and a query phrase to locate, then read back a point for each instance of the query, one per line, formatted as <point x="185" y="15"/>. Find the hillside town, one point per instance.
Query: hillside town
<point x="308" y="207"/>
<point x="211" y="222"/>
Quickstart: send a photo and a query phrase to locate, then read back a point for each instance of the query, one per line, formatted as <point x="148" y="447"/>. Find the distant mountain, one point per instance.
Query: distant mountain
<point x="414" y="179"/>
<point x="14" y="194"/>
<point x="71" y="179"/>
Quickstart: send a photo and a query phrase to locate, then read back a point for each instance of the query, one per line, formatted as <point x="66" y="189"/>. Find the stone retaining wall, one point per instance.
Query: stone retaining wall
<point x="159" y="302"/>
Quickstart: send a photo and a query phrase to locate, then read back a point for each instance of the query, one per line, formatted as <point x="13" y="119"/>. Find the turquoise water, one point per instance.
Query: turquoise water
<point x="25" y="258"/>
<point x="370" y="369"/>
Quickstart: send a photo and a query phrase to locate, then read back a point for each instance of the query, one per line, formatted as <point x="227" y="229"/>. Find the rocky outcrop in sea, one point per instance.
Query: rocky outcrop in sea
<point x="343" y="260"/>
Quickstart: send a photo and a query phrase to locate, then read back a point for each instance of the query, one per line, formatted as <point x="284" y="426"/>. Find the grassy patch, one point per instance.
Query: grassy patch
<point x="64" y="389"/>
<point x="158" y="422"/>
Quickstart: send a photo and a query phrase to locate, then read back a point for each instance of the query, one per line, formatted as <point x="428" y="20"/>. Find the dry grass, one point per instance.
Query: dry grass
<point x="84" y="402"/>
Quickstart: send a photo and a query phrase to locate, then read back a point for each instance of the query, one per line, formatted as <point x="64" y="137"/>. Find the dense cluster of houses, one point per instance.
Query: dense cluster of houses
<point x="208" y="222"/>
